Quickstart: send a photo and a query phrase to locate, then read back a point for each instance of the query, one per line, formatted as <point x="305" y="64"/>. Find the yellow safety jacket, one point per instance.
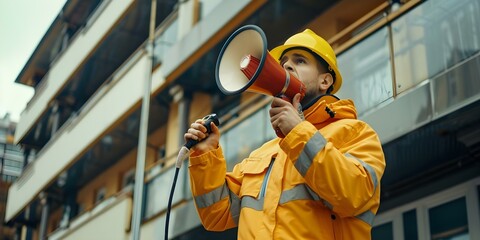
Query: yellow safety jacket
<point x="322" y="181"/>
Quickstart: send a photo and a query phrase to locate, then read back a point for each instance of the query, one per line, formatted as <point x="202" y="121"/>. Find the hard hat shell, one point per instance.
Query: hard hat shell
<point x="308" y="39"/>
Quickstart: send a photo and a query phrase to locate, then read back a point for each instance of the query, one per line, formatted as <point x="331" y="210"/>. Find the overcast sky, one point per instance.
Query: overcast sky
<point x="22" y="25"/>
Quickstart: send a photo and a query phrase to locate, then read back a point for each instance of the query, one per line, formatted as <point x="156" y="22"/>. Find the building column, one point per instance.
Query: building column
<point x="183" y="113"/>
<point x="70" y="206"/>
<point x="18" y="233"/>
<point x="183" y="125"/>
<point x="45" y="215"/>
<point x="26" y="155"/>
<point x="3" y="160"/>
<point x="187" y="16"/>
<point x="29" y="221"/>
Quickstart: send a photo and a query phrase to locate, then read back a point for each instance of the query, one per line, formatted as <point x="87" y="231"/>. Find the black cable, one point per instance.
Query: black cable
<point x="182" y="155"/>
<point x="169" y="207"/>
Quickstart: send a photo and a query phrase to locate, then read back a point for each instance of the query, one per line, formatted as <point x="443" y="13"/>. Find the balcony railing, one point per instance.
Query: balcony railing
<point x="92" y="224"/>
<point x="405" y="50"/>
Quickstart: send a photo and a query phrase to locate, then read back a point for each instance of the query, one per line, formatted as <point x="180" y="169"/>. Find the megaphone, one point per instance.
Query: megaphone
<point x="244" y="64"/>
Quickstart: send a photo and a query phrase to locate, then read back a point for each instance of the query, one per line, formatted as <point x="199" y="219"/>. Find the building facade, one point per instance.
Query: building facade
<point x="11" y="165"/>
<point x="411" y="67"/>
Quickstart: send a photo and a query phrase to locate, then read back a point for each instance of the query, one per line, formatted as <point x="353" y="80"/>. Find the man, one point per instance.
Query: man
<point x="322" y="181"/>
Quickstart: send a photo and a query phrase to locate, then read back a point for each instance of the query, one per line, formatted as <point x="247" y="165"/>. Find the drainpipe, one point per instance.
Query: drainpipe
<point x="26" y="155"/>
<point x="143" y="132"/>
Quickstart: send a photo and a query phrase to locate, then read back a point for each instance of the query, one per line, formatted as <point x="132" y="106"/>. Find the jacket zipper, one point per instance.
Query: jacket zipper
<point x="263" y="190"/>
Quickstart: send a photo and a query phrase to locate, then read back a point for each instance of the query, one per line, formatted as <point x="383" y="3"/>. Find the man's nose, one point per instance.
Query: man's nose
<point x="288" y="65"/>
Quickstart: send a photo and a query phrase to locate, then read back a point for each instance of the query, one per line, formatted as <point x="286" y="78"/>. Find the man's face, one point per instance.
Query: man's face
<point x="303" y="65"/>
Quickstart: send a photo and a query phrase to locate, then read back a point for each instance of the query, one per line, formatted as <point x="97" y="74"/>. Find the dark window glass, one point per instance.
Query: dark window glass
<point x="449" y="220"/>
<point x="383" y="232"/>
<point x="410" y="225"/>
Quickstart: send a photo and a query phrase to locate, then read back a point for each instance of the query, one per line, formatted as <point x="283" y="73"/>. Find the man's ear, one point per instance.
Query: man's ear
<point x="326" y="82"/>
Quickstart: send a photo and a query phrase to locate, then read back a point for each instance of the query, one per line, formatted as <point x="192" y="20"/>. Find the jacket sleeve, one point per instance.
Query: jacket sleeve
<point x="343" y="169"/>
<point x="214" y="191"/>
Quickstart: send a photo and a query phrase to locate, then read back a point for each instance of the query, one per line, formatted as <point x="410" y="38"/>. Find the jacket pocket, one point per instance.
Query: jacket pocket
<point x="254" y="170"/>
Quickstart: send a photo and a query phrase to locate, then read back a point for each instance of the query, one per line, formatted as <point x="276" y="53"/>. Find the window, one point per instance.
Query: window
<point x="410" y="225"/>
<point x="383" y="232"/>
<point x="453" y="227"/>
<point x="451" y="214"/>
<point x="128" y="178"/>
<point x="100" y="194"/>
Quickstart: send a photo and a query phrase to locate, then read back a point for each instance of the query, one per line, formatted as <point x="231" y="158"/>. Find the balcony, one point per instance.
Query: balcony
<point x="93" y="224"/>
<point x="80" y="133"/>
<point x="69" y="61"/>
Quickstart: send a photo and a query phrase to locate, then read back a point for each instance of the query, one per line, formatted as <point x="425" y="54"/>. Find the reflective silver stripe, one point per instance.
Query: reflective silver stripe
<point x="328" y="205"/>
<point x="313" y="146"/>
<point x="302" y="192"/>
<point x="210" y="198"/>
<point x="234" y="206"/>
<point x="369" y="169"/>
<point x="317" y="198"/>
<point x="299" y="192"/>
<point x="251" y="202"/>
<point x="367" y="217"/>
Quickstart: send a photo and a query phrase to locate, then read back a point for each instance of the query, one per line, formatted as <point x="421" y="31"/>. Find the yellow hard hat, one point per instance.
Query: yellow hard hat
<point x="308" y="39"/>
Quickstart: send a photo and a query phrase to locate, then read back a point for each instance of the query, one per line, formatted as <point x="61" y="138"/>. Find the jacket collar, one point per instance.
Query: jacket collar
<point x="328" y="108"/>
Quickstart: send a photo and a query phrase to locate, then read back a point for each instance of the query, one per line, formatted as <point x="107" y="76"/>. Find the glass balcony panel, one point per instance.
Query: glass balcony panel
<point x="207" y="6"/>
<point x="3" y="136"/>
<point x="112" y="214"/>
<point x="164" y="41"/>
<point x="434" y="37"/>
<point x="366" y="72"/>
<point x="457" y="86"/>
<point x="244" y="138"/>
<point x="158" y="190"/>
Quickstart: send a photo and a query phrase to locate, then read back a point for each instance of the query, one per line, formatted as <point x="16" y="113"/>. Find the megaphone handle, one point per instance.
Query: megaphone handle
<point x="277" y="130"/>
<point x="208" y="119"/>
<point x="279" y="133"/>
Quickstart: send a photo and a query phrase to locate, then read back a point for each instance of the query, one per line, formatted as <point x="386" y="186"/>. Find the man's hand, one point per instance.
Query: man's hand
<point x="198" y="132"/>
<point x="284" y="115"/>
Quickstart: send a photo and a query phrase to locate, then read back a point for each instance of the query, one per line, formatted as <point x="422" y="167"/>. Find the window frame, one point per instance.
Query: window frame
<point x="468" y="190"/>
